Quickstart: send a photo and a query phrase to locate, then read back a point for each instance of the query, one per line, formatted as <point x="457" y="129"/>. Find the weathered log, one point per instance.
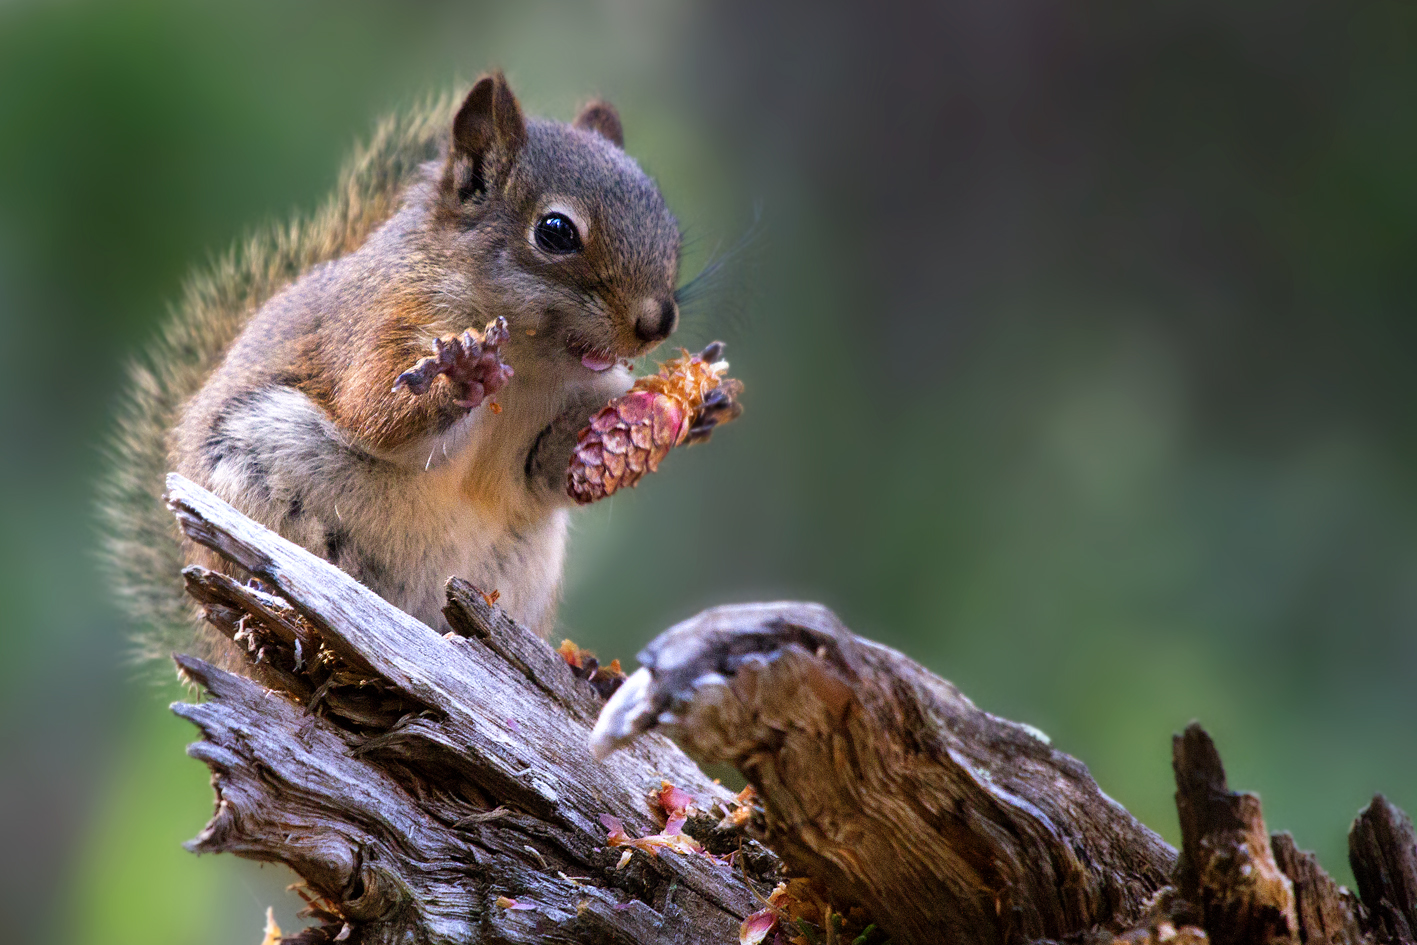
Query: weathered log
<point x="885" y="783"/>
<point x="439" y="789"/>
<point x="415" y="781"/>
<point x="888" y="785"/>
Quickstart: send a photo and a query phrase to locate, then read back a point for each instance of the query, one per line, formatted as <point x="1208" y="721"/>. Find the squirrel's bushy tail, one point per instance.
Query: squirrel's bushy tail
<point x="140" y="549"/>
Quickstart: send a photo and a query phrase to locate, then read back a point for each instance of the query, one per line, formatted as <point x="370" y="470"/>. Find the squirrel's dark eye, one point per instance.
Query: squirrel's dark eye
<point x="555" y="233"/>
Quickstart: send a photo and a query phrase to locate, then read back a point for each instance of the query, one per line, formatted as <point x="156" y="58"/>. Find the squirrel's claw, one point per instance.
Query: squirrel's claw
<point x="712" y="352"/>
<point x="417" y="378"/>
<point x="720" y="406"/>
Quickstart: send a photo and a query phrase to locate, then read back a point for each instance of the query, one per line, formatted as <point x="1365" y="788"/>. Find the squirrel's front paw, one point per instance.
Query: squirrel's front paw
<point x="473" y="365"/>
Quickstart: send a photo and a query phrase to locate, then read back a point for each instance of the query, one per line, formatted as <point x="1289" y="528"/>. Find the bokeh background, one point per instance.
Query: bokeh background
<point x="1078" y="341"/>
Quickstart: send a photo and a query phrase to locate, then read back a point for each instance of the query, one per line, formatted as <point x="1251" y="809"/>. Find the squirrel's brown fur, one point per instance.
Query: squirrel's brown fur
<point x="297" y="336"/>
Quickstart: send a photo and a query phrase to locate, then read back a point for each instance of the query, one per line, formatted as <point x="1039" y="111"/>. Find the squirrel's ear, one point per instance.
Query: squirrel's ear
<point x="602" y="118"/>
<point x="488" y="132"/>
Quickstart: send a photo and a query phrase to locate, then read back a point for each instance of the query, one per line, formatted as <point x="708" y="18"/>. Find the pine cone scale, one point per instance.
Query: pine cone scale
<point x="616" y="440"/>
<point x="615" y="464"/>
<point x="635" y="407"/>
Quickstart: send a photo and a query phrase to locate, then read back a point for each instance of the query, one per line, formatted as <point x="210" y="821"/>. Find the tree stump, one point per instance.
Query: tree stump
<point x="440" y="789"/>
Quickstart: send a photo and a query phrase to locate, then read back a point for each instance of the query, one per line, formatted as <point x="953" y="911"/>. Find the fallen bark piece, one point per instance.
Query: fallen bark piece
<point x="886" y="785"/>
<point x="605" y="679"/>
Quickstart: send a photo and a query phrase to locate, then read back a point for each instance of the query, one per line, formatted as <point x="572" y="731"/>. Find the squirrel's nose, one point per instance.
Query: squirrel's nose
<point x="657" y="321"/>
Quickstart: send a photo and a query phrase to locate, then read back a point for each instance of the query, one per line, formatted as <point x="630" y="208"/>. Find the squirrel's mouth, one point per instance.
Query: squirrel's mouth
<point x="593" y="357"/>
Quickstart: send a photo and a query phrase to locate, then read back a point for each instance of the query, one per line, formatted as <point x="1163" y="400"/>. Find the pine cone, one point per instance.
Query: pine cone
<point x="635" y="431"/>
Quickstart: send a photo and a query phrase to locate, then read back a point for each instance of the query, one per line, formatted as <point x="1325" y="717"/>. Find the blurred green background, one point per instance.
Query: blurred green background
<point x="1078" y="340"/>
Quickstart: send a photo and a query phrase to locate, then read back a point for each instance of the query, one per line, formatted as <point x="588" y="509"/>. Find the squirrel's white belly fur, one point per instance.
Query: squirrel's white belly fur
<point x="400" y="527"/>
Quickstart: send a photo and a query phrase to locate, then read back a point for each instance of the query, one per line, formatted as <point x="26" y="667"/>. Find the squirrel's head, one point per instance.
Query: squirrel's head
<point x="562" y="226"/>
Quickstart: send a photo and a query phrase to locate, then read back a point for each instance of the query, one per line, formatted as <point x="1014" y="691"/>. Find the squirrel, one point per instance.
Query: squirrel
<point x="296" y="381"/>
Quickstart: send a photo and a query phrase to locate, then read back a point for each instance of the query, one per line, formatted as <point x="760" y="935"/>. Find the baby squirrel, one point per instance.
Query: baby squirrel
<point x="310" y="403"/>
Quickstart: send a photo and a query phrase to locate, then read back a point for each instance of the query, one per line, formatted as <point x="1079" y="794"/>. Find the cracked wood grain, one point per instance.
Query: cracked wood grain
<point x="411" y="779"/>
<point x="887" y="784"/>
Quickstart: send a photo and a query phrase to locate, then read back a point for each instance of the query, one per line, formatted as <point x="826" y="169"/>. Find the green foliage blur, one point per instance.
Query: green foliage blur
<point x="1078" y="343"/>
